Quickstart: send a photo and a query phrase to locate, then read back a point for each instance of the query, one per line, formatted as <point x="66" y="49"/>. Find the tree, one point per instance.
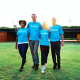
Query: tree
<point x="15" y="26"/>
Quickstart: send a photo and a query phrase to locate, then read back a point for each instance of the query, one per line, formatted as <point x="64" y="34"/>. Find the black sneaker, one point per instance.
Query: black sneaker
<point x="36" y="67"/>
<point x="54" y="67"/>
<point x="33" y="66"/>
<point x="59" y="67"/>
<point x="21" y="69"/>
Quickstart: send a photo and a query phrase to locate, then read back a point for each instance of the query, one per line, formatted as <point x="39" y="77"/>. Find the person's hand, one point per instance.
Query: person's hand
<point x="48" y="30"/>
<point x="62" y="43"/>
<point x="15" y="47"/>
<point x="16" y="29"/>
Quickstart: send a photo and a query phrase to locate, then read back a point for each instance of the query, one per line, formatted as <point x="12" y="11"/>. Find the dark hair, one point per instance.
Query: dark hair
<point x="24" y="22"/>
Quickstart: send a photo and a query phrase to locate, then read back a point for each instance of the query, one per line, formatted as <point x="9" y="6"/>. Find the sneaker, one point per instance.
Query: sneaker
<point x="21" y="69"/>
<point x="59" y="67"/>
<point x="54" y="67"/>
<point x="44" y="67"/>
<point x="36" y="67"/>
<point x="42" y="70"/>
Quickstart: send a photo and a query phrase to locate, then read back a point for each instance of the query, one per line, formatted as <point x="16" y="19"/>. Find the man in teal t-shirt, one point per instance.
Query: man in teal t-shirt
<point x="56" y="34"/>
<point x="34" y="28"/>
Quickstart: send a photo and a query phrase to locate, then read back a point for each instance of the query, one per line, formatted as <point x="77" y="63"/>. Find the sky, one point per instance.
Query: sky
<point x="11" y="11"/>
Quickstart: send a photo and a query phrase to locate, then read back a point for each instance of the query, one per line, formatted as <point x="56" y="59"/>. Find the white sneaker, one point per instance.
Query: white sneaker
<point x="44" y="67"/>
<point x="42" y="70"/>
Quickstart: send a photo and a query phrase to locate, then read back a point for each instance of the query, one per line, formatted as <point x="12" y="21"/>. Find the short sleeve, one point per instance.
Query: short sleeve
<point x="17" y="32"/>
<point x="28" y="32"/>
<point x="61" y="31"/>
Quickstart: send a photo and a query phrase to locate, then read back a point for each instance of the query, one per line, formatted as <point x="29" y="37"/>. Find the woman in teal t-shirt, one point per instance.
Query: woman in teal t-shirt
<point x="44" y="45"/>
<point x="22" y="41"/>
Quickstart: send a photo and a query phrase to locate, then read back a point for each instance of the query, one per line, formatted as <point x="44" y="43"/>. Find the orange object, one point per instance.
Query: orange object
<point x="78" y="37"/>
<point x="3" y="36"/>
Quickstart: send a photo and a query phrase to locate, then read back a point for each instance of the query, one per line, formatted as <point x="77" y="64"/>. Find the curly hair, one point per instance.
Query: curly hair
<point x="24" y="22"/>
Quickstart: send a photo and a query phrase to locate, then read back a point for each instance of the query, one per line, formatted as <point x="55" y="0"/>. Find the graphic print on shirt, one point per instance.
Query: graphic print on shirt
<point x="22" y="35"/>
<point x="55" y="33"/>
<point x="54" y="29"/>
<point x="44" y="37"/>
<point x="34" y="30"/>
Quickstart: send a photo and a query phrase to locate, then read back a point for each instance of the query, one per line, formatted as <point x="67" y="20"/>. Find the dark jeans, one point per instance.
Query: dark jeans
<point x="44" y="54"/>
<point x="55" y="49"/>
<point x="22" y="50"/>
<point x="34" y="50"/>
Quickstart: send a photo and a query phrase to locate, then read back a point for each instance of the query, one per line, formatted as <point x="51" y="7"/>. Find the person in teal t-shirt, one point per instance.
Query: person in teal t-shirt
<point x="22" y="41"/>
<point x="56" y="34"/>
<point x="44" y="46"/>
<point x="34" y="28"/>
<point x="22" y="35"/>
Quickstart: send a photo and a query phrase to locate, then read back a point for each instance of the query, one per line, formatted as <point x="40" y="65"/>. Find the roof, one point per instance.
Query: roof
<point x="71" y="29"/>
<point x="7" y="30"/>
<point x="64" y="29"/>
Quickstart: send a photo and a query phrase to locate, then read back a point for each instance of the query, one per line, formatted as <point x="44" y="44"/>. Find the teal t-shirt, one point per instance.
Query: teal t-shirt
<point x="22" y="35"/>
<point x="34" y="30"/>
<point x="55" y="33"/>
<point x="44" y="37"/>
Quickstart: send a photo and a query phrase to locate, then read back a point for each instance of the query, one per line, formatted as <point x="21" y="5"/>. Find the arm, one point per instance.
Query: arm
<point x="48" y="30"/>
<point x="28" y="34"/>
<point x="16" y="41"/>
<point x="16" y="29"/>
<point x="62" y="38"/>
<point x="41" y="27"/>
<point x="40" y="34"/>
<point x="49" y="35"/>
<point x="28" y="37"/>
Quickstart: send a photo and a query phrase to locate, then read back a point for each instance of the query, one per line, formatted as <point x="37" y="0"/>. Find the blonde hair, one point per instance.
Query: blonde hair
<point x="45" y="23"/>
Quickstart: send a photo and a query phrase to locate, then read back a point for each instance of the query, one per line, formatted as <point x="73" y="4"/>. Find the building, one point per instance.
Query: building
<point x="7" y="35"/>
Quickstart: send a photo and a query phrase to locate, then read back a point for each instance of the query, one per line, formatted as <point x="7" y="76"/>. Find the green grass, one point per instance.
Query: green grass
<point x="10" y="62"/>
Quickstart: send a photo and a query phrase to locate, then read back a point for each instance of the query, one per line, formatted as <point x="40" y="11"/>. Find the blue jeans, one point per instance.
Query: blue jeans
<point x="34" y="50"/>
<point x="22" y="50"/>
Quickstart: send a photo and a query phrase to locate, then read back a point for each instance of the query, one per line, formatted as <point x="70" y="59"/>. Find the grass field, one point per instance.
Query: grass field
<point x="10" y="62"/>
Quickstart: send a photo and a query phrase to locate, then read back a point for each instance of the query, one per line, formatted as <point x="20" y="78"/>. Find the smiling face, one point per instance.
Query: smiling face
<point x="44" y="25"/>
<point x="34" y="17"/>
<point x="22" y="25"/>
<point x="53" y="20"/>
